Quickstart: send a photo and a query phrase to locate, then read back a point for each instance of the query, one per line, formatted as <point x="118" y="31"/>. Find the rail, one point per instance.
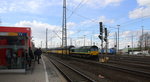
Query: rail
<point x="66" y="76"/>
<point x="117" y="67"/>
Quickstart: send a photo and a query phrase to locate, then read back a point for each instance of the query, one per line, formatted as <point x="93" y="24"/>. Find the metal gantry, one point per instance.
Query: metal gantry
<point x="64" y="26"/>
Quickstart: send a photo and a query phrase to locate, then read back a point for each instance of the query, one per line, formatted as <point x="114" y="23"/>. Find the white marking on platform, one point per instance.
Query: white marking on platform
<point x="46" y="75"/>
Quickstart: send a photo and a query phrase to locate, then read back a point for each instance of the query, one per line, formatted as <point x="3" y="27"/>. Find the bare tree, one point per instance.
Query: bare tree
<point x="144" y="41"/>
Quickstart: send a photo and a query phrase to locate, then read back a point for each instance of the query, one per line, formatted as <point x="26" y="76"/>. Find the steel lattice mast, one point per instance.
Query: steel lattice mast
<point x="64" y="26"/>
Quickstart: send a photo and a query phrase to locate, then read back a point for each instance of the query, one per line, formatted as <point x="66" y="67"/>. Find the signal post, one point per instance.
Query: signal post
<point x="102" y="57"/>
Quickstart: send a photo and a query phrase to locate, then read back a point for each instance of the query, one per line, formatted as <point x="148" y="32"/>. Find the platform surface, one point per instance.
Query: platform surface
<point x="43" y="72"/>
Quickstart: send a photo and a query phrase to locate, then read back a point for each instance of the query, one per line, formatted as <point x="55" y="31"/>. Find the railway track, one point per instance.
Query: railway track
<point x="130" y="58"/>
<point x="131" y="61"/>
<point x="131" y="64"/>
<point x="71" y="74"/>
<point x="130" y="70"/>
<point x="111" y="72"/>
<point x="135" y="71"/>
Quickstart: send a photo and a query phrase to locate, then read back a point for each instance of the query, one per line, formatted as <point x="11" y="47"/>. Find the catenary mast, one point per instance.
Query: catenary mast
<point x="64" y="26"/>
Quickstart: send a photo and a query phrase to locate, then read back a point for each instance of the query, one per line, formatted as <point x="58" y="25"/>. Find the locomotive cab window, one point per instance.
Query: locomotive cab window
<point x="94" y="48"/>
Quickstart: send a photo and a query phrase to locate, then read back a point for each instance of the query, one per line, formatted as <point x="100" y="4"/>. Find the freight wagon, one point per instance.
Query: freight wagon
<point x="110" y="51"/>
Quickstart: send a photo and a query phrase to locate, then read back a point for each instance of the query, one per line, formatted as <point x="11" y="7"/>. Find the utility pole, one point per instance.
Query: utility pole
<point x="142" y="39"/>
<point x="91" y="41"/>
<point x="41" y="44"/>
<point x="116" y="42"/>
<point x="84" y="40"/>
<point x="75" y="43"/>
<point x="114" y="39"/>
<point x="51" y="41"/>
<point x="46" y="37"/>
<point x="79" y="43"/>
<point x="118" y="36"/>
<point x="64" y="28"/>
<point x="70" y="41"/>
<point x="132" y="44"/>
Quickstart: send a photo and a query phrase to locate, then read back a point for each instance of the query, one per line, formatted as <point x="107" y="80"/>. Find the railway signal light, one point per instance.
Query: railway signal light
<point x="105" y="32"/>
<point x="100" y="37"/>
<point x="128" y="46"/>
<point x="105" y="39"/>
<point x="101" y="28"/>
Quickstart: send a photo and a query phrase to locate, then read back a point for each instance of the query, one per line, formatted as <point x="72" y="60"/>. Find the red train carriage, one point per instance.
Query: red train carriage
<point x="14" y="47"/>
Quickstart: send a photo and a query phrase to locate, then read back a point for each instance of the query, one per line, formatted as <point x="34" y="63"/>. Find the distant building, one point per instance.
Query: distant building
<point x="133" y="51"/>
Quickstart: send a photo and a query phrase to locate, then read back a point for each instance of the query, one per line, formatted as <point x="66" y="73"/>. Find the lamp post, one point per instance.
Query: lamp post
<point x="142" y="39"/>
<point x="41" y="44"/>
<point x="118" y="36"/>
<point x="84" y="40"/>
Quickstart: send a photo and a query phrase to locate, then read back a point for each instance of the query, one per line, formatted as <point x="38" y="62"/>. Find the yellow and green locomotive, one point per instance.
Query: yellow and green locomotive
<point x="84" y="51"/>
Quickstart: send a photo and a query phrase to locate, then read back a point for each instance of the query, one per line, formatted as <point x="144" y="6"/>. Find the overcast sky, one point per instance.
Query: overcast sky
<point x="82" y="19"/>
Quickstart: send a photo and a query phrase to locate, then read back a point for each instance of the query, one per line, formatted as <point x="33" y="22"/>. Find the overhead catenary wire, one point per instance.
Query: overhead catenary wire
<point x="57" y="35"/>
<point x="123" y="24"/>
<point x="75" y="9"/>
<point x="95" y="21"/>
<point x="135" y="19"/>
<point x="83" y="16"/>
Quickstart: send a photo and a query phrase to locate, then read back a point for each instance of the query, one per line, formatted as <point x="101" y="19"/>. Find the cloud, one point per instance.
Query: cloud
<point x="143" y="2"/>
<point x="30" y="6"/>
<point x="111" y="34"/>
<point x="140" y="12"/>
<point x="105" y="20"/>
<point x="95" y="3"/>
<point x="71" y="24"/>
<point x="143" y="10"/>
<point x="36" y="25"/>
<point x="39" y="30"/>
<point x="36" y="6"/>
